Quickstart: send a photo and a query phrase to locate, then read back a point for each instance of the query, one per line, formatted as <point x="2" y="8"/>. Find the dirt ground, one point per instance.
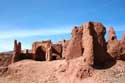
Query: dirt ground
<point x="29" y="71"/>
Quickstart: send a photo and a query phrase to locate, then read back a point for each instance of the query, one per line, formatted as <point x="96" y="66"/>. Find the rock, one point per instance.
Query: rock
<point x="84" y="71"/>
<point x="3" y="70"/>
<point x="75" y="71"/>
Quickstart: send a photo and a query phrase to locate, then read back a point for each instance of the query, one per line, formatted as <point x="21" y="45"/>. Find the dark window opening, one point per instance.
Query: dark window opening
<point x="113" y="38"/>
<point x="82" y="51"/>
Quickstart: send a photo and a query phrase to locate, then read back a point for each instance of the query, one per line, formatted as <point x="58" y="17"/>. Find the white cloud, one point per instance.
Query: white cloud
<point x="20" y="33"/>
<point x="7" y="35"/>
<point x="4" y="50"/>
<point x="7" y="44"/>
<point x="34" y="32"/>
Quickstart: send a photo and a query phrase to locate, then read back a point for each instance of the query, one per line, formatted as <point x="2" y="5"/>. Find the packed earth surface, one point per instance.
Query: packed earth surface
<point x="28" y="71"/>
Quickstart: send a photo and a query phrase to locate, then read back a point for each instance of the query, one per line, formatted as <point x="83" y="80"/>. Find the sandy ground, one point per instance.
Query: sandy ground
<point x="29" y="71"/>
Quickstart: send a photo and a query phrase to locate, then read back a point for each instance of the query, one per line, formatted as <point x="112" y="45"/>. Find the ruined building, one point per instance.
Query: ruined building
<point x="39" y="51"/>
<point x="87" y="41"/>
<point x="17" y="51"/>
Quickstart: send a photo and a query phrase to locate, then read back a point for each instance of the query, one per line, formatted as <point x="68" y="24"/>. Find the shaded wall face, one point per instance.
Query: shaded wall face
<point x="39" y="49"/>
<point x="99" y="43"/>
<point x="74" y="48"/>
<point x="56" y="48"/>
<point x="40" y="54"/>
<point x="93" y="35"/>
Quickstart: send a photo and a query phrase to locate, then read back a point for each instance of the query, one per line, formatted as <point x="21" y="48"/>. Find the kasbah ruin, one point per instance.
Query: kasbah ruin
<point x="87" y="41"/>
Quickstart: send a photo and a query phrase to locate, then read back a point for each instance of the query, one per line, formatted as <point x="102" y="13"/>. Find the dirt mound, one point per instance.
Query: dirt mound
<point x="28" y="71"/>
<point x="59" y="71"/>
<point x="5" y="60"/>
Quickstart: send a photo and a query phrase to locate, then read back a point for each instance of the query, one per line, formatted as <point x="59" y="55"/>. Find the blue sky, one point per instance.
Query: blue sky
<point x="36" y="20"/>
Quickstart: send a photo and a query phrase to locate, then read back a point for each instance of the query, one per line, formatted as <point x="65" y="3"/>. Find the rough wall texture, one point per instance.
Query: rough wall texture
<point x="39" y="49"/>
<point x="113" y="47"/>
<point x="94" y="42"/>
<point x="64" y="47"/>
<point x="122" y="50"/>
<point x="111" y="34"/>
<point x="74" y="48"/>
<point x="87" y="44"/>
<point x="99" y="44"/>
<point x="87" y="41"/>
<point x="57" y="49"/>
<point x="17" y="52"/>
<point x="35" y="45"/>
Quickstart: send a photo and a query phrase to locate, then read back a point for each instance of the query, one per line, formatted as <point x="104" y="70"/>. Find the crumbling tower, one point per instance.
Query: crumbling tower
<point x="16" y="51"/>
<point x="122" y="50"/>
<point x="113" y="47"/>
<point x="19" y="48"/>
